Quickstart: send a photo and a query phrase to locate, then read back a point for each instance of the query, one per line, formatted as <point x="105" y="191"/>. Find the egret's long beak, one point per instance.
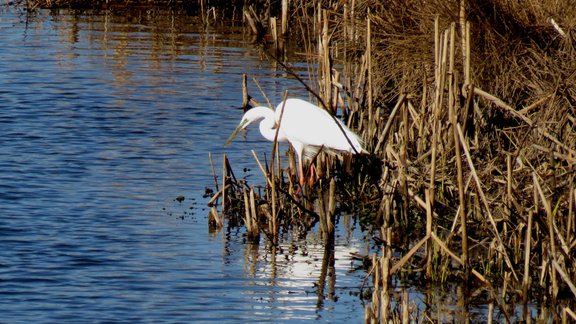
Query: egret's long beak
<point x="235" y="132"/>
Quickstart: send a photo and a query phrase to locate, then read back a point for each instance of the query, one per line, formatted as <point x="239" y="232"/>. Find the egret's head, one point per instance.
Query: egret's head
<point x="253" y="115"/>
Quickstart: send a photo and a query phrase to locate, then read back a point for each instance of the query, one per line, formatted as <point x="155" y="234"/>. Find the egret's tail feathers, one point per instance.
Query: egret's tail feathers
<point x="310" y="152"/>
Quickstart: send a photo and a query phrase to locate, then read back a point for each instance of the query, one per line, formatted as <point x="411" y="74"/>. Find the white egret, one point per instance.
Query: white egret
<point x="307" y="127"/>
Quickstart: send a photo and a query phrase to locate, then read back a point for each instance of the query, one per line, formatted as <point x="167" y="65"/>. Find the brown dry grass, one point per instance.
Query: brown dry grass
<point x="521" y="134"/>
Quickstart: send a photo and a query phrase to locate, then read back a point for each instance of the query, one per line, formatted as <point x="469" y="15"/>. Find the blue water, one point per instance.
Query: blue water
<point x="106" y="118"/>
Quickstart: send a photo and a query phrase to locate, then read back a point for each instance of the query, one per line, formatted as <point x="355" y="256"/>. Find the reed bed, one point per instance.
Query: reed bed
<point x="470" y="107"/>
<point x="469" y="111"/>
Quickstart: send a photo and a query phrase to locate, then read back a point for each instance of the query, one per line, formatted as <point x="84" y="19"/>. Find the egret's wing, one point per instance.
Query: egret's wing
<point x="313" y="126"/>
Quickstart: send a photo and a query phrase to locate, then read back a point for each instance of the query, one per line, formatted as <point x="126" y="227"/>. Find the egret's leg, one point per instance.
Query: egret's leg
<point x="313" y="176"/>
<point x="301" y="171"/>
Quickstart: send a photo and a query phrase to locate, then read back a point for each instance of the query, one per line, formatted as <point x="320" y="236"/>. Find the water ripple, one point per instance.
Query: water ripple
<point x="104" y="120"/>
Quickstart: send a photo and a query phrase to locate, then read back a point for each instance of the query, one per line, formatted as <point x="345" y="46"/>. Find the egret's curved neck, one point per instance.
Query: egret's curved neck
<point x="268" y="123"/>
<point x="267" y="129"/>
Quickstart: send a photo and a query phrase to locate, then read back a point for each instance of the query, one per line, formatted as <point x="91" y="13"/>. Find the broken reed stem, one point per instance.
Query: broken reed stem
<point x="214" y="219"/>
<point x="331" y="206"/>
<point x="245" y="96"/>
<point x="462" y="21"/>
<point x="263" y="93"/>
<point x="550" y="223"/>
<point x="273" y="223"/>
<point x="509" y="181"/>
<point x="564" y="277"/>
<point x="439" y="95"/>
<point x="445" y="248"/>
<point x="251" y="219"/>
<point x="217" y="195"/>
<point x="418" y="200"/>
<point x="568" y="312"/>
<point x="284" y="22"/>
<point x="250" y="19"/>
<point x="202" y="7"/>
<point x="253" y="230"/>
<point x="385" y="294"/>
<point x="499" y="103"/>
<point x="248" y="217"/>
<point x="453" y="113"/>
<point x="467" y="77"/>
<point x="405" y="307"/>
<point x="325" y="62"/>
<point x="323" y="214"/>
<point x="264" y="173"/>
<point x="369" y="67"/>
<point x="528" y="109"/>
<point x="278" y="164"/>
<point x="409" y="255"/>
<point x="571" y="206"/>
<point x="384" y="135"/>
<point x="403" y="169"/>
<point x="555" y="154"/>
<point x="224" y="178"/>
<point x="213" y="171"/>
<point x="423" y="111"/>
<point x="440" y="70"/>
<point x="485" y="201"/>
<point x="527" y="247"/>
<point x="429" y="214"/>
<point x="274" y="31"/>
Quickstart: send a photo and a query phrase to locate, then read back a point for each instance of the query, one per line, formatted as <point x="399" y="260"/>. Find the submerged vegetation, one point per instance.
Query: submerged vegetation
<point x="468" y="109"/>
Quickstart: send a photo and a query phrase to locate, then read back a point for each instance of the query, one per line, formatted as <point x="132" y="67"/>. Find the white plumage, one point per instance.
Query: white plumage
<point x="307" y="127"/>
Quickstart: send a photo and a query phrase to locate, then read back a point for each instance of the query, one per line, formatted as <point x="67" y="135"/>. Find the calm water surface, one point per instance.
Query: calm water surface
<point x="105" y="118"/>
